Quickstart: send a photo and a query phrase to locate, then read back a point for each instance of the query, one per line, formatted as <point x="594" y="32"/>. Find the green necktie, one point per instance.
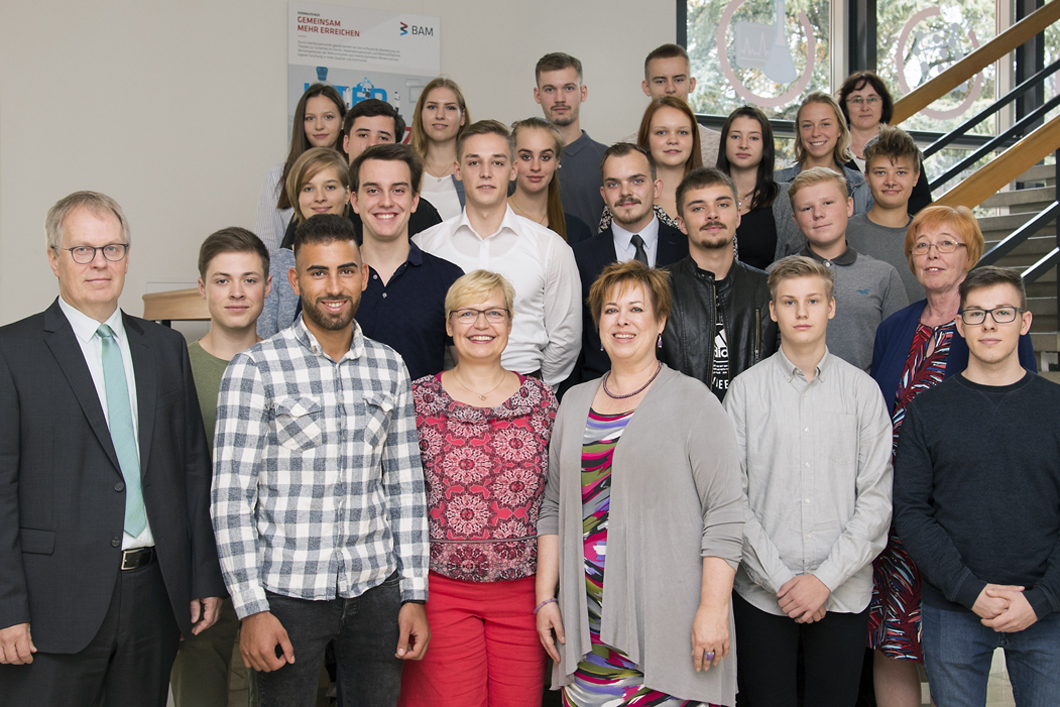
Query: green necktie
<point x="119" y="417"/>
<point x="639" y="254"/>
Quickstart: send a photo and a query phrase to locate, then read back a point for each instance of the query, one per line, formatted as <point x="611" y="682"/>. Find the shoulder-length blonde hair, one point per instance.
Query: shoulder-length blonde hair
<point x="418" y="139"/>
<point x="312" y="162"/>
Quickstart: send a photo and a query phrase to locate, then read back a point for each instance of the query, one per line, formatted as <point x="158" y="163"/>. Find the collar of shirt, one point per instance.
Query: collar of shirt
<point x="789" y="370"/>
<point x="414" y="259"/>
<point x="847" y="258"/>
<point x="650" y="234"/>
<point x="508" y="222"/>
<point x="306" y="338"/>
<point x="577" y="146"/>
<point x="85" y="326"/>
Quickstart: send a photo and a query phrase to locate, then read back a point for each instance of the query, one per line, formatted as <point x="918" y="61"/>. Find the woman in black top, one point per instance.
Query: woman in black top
<point x="747" y="155"/>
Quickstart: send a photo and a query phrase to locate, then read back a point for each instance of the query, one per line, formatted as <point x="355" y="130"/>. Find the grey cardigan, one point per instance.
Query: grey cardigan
<point x="675" y="497"/>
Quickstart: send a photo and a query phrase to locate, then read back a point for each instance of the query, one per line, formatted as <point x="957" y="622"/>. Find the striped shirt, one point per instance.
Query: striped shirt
<point x="318" y="490"/>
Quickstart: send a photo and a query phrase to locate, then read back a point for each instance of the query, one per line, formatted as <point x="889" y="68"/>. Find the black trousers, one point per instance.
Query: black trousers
<point x="127" y="663"/>
<point x="768" y="647"/>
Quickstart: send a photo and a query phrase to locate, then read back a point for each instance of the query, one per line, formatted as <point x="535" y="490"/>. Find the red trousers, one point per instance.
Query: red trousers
<point x="484" y="649"/>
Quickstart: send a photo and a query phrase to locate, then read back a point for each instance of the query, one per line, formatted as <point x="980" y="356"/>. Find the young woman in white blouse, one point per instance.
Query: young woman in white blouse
<point x="441" y="115"/>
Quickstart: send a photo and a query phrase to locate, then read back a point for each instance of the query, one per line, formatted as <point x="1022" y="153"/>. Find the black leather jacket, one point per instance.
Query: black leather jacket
<point x="688" y="340"/>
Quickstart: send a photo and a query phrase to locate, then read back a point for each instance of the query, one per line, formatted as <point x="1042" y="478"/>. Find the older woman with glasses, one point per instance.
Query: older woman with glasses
<point x="484" y="434"/>
<point x="916" y="349"/>
<point x="643" y="473"/>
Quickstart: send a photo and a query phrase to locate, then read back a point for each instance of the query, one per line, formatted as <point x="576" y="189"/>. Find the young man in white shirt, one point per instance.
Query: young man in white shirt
<point x="547" y="323"/>
<point x="815" y="445"/>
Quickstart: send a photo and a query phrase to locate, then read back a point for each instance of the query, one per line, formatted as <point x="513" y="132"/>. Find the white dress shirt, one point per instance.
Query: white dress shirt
<point x="624" y="248"/>
<point x="85" y="328"/>
<point x="547" y="322"/>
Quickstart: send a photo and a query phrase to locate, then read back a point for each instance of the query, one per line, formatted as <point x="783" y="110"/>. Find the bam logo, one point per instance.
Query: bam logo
<point x="417" y="30"/>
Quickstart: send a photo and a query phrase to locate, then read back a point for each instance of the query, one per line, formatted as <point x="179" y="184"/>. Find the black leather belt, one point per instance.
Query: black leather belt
<point x="135" y="559"/>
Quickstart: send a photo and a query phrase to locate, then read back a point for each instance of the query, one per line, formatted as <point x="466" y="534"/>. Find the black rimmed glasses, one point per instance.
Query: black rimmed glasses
<point x="1000" y="315"/>
<point x="469" y="316"/>
<point x="85" y="254"/>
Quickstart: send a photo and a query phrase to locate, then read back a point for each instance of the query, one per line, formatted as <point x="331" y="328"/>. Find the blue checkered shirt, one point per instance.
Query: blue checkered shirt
<point x="318" y="489"/>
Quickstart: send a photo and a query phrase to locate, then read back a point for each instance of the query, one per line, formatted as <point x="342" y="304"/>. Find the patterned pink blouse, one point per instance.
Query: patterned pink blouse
<point x="485" y="470"/>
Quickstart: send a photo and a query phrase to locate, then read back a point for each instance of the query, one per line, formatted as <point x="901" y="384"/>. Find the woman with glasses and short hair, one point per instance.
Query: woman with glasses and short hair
<point x="484" y="434"/>
<point x="916" y="349"/>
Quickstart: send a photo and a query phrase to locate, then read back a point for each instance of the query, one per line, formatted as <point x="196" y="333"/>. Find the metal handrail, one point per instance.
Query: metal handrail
<point x="1015" y="129"/>
<point x="994" y="107"/>
<point x="1014" y="239"/>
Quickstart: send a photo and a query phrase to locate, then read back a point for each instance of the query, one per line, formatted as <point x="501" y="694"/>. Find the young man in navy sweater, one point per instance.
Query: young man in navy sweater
<point x="977" y="505"/>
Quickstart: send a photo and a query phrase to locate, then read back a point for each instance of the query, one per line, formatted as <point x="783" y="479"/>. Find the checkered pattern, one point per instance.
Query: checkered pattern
<point x="318" y="489"/>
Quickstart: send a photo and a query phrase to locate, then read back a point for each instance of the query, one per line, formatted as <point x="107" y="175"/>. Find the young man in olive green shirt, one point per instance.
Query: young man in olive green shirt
<point x="234" y="281"/>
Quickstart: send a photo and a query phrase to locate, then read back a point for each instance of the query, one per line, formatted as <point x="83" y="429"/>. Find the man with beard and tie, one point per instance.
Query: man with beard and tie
<point x="318" y="496"/>
<point x="719" y="323"/>
<point x="630" y="188"/>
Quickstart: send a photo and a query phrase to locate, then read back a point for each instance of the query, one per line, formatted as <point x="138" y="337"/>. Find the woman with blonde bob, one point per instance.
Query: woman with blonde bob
<point x="441" y="115"/>
<point x="484" y="435"/>
<point x="319" y="183"/>
<point x="633" y="479"/>
<point x="917" y="348"/>
<point x="822" y="140"/>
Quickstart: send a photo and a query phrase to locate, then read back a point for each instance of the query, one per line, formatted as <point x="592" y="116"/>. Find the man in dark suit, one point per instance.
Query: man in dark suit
<point x="630" y="189"/>
<point x="105" y="536"/>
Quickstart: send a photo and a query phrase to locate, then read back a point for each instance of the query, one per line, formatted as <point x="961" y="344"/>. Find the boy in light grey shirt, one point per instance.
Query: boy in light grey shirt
<point x="814" y="440"/>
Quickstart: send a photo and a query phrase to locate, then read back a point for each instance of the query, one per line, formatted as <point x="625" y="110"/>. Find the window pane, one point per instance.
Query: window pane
<point x="919" y="39"/>
<point x="754" y="64"/>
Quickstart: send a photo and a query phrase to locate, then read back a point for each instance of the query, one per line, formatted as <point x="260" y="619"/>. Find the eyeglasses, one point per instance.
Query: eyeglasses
<point x="922" y="247"/>
<point x="470" y="316"/>
<point x="1000" y="315"/>
<point x="85" y="254"/>
<point x="858" y="100"/>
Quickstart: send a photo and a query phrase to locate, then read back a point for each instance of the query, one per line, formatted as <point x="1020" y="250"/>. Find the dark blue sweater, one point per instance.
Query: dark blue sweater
<point x="977" y="490"/>
<point x="891" y="349"/>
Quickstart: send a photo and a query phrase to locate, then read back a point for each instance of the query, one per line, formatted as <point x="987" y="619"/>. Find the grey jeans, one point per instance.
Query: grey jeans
<point x="365" y="631"/>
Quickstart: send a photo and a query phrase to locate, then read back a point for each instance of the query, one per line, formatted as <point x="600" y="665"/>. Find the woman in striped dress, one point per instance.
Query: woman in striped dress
<point x="643" y="479"/>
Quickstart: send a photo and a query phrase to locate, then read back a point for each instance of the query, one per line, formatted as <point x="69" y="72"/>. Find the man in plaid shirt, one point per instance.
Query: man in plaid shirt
<point x="318" y="495"/>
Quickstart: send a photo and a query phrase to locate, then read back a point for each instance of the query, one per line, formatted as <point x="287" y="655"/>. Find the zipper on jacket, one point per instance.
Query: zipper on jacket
<point x="758" y="348"/>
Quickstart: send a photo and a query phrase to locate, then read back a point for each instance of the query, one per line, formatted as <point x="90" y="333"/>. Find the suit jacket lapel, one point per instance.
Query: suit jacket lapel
<point x="604" y="249"/>
<point x="146" y="385"/>
<point x="60" y="338"/>
<point x="669" y="250"/>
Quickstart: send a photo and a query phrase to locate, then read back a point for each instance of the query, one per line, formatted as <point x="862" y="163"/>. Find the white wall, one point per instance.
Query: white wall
<point x="177" y="109"/>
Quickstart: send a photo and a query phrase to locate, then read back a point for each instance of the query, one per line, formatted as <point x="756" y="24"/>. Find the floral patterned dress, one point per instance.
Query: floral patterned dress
<point x="485" y="471"/>
<point x="894" y="611"/>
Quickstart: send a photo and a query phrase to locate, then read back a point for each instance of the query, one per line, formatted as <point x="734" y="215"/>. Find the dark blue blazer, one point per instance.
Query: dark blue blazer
<point x="891" y="349"/>
<point x="592" y="257"/>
